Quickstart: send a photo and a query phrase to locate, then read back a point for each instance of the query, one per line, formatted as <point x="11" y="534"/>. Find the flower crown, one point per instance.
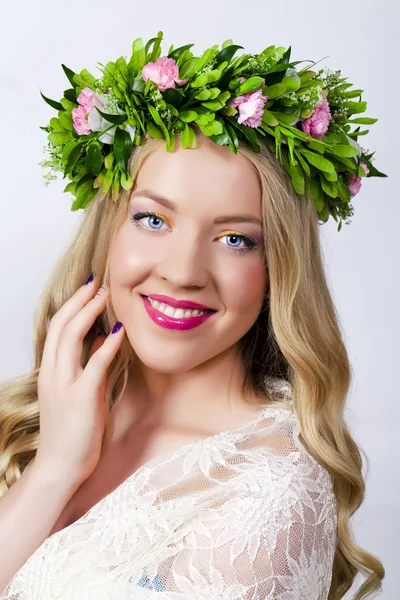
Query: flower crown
<point x="303" y="117"/>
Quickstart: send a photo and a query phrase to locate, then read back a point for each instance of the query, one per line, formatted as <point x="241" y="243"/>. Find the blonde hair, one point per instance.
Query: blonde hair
<point x="296" y="338"/>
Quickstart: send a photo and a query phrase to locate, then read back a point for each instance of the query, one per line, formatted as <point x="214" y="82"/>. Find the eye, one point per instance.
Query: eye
<point x="137" y="217"/>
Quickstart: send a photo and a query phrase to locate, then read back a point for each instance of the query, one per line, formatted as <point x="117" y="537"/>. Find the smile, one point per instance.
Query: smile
<point x="173" y="318"/>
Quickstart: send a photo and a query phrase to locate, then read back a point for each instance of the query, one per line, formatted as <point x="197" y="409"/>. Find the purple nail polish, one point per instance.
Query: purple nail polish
<point x="116" y="327"/>
<point x="90" y="279"/>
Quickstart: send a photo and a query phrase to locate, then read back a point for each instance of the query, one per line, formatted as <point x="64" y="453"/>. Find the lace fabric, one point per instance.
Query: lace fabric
<point x="246" y="514"/>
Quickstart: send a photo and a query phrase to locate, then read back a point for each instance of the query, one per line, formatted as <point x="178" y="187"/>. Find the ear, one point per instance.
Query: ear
<point x="97" y="343"/>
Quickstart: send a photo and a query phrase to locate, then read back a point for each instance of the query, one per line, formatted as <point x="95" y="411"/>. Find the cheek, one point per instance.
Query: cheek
<point x="127" y="258"/>
<point x="244" y="286"/>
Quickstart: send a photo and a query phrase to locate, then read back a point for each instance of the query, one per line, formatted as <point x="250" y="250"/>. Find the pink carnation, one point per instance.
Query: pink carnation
<point x="251" y="107"/>
<point x="79" y="118"/>
<point x="317" y="125"/>
<point x="354" y="183"/>
<point x="164" y="72"/>
<point x="87" y="99"/>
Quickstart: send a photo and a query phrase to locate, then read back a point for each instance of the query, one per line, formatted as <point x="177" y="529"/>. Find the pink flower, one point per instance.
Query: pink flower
<point x="164" y="72"/>
<point x="354" y="183"/>
<point x="79" y="118"/>
<point x="317" y="125"/>
<point x="251" y="107"/>
<point x="87" y="99"/>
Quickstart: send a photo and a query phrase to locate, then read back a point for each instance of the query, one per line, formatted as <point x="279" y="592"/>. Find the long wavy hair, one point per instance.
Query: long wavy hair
<point x="296" y="337"/>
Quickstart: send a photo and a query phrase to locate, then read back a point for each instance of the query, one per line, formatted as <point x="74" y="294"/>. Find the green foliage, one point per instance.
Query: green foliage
<point x="132" y="107"/>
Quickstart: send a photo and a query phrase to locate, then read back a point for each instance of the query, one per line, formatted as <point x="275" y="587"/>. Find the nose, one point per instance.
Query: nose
<point x="185" y="261"/>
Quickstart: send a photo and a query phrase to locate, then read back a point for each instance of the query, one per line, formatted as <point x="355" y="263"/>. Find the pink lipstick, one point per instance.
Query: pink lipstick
<point x="181" y="323"/>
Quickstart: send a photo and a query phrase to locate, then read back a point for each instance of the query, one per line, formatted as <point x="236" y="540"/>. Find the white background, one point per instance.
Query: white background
<point x="361" y="39"/>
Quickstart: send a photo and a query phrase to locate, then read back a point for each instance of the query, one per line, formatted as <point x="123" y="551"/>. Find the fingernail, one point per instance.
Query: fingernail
<point x="101" y="290"/>
<point x="90" y="279"/>
<point x="116" y="327"/>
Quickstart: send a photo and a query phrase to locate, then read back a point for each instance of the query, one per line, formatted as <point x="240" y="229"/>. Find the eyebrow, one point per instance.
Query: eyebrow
<point x="238" y="218"/>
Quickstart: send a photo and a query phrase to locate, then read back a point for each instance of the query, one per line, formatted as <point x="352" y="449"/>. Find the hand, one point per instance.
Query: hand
<point x="72" y="404"/>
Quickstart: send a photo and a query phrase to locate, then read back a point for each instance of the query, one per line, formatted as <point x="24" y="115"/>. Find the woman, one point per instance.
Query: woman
<point x="185" y="456"/>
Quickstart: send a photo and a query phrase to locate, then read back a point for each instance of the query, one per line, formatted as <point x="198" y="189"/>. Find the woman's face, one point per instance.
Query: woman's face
<point x="183" y="253"/>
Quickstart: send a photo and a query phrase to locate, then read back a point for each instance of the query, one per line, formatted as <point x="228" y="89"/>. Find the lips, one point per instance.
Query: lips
<point x="178" y="303"/>
<point x="177" y="323"/>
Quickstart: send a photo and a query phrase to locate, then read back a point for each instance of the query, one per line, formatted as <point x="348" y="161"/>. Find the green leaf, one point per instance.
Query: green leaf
<point x="67" y="104"/>
<point x="203" y="95"/>
<point x="274" y="91"/>
<point x="116" y="119"/>
<point x="297" y="175"/>
<point x="188" y="115"/>
<point x="363" y="121"/>
<point x="343" y="150"/>
<point x="66" y="151"/>
<point x="70" y="95"/>
<point x="278" y="141"/>
<point x="291" y="80"/>
<point x="214" y="128"/>
<point x="59" y="138"/>
<point x="115" y="186"/>
<point x="65" y="118"/>
<point x="157" y="118"/>
<point x="352" y="94"/>
<point x="226" y="54"/>
<point x="185" y="136"/>
<point x="320" y="162"/>
<point x="94" y="158"/>
<point x="188" y="68"/>
<point x="344" y="192"/>
<point x="88" y="78"/>
<point x="250" y="85"/>
<point x="107" y="182"/>
<point x="84" y="195"/>
<point x="205" y="119"/>
<point x="248" y="133"/>
<point x="174" y="96"/>
<point x="175" y="54"/>
<point x="269" y="118"/>
<point x="329" y="187"/>
<point x="154" y="131"/>
<point x="303" y="163"/>
<point x="122" y="148"/>
<point x="156" y="41"/>
<point x="71" y="187"/>
<point x="285" y="117"/>
<point x="213" y="104"/>
<point x="70" y="74"/>
<point x="331" y="176"/>
<point x="356" y="107"/>
<point x="109" y="160"/>
<point x="52" y="103"/>
<point x="317" y="194"/>
<point x="317" y="145"/>
<point x="138" y="58"/>
<point x="293" y="161"/>
<point x="73" y="156"/>
<point x="126" y="180"/>
<point x="233" y="136"/>
<point x="56" y="125"/>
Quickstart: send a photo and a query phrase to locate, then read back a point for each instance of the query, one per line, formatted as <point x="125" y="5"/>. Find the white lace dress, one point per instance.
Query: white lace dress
<point x="247" y="514"/>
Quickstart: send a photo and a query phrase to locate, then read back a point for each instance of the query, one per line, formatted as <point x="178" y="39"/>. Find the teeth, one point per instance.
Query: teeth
<point x="177" y="313"/>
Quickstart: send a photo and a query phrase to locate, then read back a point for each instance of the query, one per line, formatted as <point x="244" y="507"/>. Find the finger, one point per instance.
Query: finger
<point x="60" y="320"/>
<point x="95" y="371"/>
<point x="69" y="354"/>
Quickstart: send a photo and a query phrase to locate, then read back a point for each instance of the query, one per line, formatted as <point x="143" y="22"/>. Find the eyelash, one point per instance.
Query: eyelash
<point x="140" y="215"/>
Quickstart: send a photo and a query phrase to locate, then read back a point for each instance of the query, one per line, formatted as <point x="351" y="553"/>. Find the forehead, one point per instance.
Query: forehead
<point x="209" y="174"/>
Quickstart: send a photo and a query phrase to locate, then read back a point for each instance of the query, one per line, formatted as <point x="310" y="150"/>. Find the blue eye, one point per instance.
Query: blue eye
<point x="136" y="218"/>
